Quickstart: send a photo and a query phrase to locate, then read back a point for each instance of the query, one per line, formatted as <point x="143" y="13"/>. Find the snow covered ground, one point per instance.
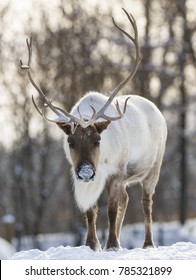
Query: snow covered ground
<point x="6" y="249"/>
<point x="178" y="251"/>
<point x="173" y="241"/>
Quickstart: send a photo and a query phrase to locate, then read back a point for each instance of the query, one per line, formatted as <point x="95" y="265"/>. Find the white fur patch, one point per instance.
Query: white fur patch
<point x="87" y="194"/>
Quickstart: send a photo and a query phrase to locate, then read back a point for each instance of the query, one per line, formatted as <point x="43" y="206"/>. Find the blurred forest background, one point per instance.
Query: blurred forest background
<point x="76" y="48"/>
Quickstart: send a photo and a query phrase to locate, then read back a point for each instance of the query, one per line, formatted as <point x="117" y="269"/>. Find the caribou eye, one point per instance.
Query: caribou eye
<point x="97" y="143"/>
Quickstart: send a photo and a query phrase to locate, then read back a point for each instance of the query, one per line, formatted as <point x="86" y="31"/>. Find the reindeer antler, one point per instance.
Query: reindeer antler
<point x="63" y="115"/>
<point x="130" y="76"/>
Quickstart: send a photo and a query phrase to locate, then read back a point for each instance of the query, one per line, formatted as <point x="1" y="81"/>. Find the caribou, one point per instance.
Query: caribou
<point x="111" y="142"/>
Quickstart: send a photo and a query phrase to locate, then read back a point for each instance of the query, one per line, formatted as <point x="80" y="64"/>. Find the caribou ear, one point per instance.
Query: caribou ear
<point x="100" y="126"/>
<point x="65" y="127"/>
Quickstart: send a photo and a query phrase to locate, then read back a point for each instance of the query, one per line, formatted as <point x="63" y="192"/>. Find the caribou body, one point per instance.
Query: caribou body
<point x="113" y="155"/>
<point x="111" y="143"/>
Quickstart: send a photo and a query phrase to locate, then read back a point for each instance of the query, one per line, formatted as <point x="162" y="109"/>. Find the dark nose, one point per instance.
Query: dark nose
<point x="85" y="173"/>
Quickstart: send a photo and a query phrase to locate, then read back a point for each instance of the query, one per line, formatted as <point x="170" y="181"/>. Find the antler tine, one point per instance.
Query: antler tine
<point x="28" y="68"/>
<point x="102" y="115"/>
<point x="130" y="75"/>
<point x="36" y="107"/>
<point x="29" y="46"/>
<point x="136" y="43"/>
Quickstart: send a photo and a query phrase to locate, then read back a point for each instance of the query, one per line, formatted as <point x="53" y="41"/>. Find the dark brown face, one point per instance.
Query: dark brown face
<point x="84" y="145"/>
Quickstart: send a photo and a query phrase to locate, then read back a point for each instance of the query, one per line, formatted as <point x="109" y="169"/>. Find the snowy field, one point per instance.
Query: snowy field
<point x="178" y="251"/>
<point x="173" y="242"/>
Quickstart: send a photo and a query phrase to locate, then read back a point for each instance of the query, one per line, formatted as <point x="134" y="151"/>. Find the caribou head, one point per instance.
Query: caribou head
<point x="84" y="147"/>
<point x="84" y="135"/>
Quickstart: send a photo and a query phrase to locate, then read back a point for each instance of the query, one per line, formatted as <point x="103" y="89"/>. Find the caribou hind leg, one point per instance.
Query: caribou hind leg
<point x="149" y="184"/>
<point x="92" y="239"/>
<point x="123" y="203"/>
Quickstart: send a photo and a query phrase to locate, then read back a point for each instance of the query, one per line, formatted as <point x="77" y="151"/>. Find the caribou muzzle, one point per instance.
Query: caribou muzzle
<point x="85" y="173"/>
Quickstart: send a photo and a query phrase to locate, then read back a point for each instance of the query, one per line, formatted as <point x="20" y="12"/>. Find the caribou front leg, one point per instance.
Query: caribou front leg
<point x="92" y="240"/>
<point x="112" y="242"/>
<point x="147" y="210"/>
<point x="117" y="205"/>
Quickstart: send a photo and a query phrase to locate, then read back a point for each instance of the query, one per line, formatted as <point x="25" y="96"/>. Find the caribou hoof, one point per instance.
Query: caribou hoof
<point x="95" y="246"/>
<point x="114" y="249"/>
<point x="112" y="246"/>
<point x="148" y="245"/>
